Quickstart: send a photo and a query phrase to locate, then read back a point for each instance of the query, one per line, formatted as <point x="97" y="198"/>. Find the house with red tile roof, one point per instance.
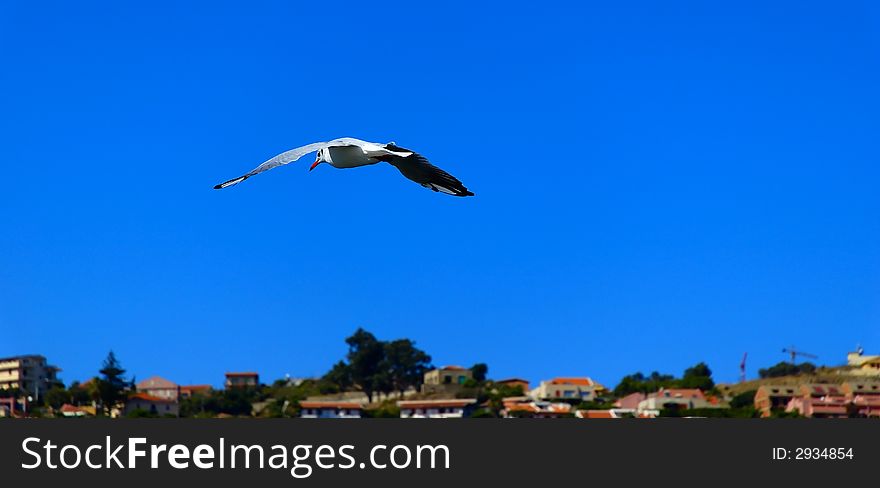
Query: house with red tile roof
<point x="158" y="387"/>
<point x="630" y="401"/>
<point x="241" y="380"/>
<point x="154" y="405"/>
<point x="526" y="407"/>
<point x="684" y="398"/>
<point x="580" y="388"/>
<point x="436" y="409"/>
<point x="330" y="410"/>
<point x="68" y="410"/>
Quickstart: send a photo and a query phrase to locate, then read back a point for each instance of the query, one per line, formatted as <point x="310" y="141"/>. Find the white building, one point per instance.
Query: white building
<point x="685" y="398"/>
<point x="330" y="410"/>
<point x="28" y="373"/>
<point x="436" y="409"/>
<point x="159" y="387"/>
<point x="576" y="388"/>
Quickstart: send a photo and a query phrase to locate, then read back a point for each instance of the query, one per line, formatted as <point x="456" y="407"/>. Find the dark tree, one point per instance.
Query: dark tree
<point x="56" y="397"/>
<point x="405" y="365"/>
<point x="339" y="376"/>
<point x="112" y="383"/>
<point x="698" y="376"/>
<point x="480" y="370"/>
<point x="787" y="369"/>
<point x="365" y="359"/>
<point x="645" y="384"/>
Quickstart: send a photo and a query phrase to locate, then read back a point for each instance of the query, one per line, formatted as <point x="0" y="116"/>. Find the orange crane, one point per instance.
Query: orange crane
<point x="795" y="353"/>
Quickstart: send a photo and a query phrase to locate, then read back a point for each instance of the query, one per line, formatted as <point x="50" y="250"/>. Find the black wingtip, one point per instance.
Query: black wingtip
<point x="217" y="187"/>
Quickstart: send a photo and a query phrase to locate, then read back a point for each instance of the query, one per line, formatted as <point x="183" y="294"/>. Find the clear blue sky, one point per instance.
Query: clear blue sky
<point x="657" y="184"/>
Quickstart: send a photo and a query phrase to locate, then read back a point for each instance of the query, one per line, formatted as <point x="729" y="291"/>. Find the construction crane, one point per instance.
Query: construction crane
<point x="795" y="353"/>
<point x="742" y="368"/>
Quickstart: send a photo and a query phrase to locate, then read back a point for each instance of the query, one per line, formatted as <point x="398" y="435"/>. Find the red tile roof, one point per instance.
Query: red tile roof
<point x="581" y="381"/>
<point x="595" y="414"/>
<point x="149" y="398"/>
<point x="68" y="408"/>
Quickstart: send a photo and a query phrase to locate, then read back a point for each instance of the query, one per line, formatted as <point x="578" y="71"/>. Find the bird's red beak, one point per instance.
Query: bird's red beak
<point x="316" y="163"/>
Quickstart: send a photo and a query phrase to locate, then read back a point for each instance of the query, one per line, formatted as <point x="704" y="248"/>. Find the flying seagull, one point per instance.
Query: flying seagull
<point x="351" y="153"/>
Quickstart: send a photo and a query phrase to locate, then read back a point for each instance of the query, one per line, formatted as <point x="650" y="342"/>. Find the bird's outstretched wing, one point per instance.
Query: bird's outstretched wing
<point x="418" y="169"/>
<point x="279" y="160"/>
<point x="369" y="148"/>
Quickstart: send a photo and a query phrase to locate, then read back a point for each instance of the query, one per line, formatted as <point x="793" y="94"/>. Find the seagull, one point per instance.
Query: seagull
<point x="348" y="152"/>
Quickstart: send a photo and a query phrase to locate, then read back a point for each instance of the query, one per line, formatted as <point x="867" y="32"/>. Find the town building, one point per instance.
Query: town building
<point x="29" y="373"/>
<point x="683" y="398"/>
<point x="68" y="410"/>
<point x="241" y="380"/>
<point x="820" y="401"/>
<point x="159" y="387"/>
<point x="631" y="401"/>
<point x="526" y="407"/>
<point x="448" y="380"/>
<point x="330" y="410"/>
<point x="436" y="409"/>
<point x="568" y="388"/>
<point x="774" y="397"/>
<point x="863" y="365"/>
<point x="154" y="405"/>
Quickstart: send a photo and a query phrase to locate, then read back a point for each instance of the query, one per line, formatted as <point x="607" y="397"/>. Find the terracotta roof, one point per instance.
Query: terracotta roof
<point x="630" y="401"/>
<point x="149" y="398"/>
<point x="453" y="402"/>
<point x="595" y="414"/>
<point x="453" y="368"/>
<point x="156" y="383"/>
<point x="582" y="381"/>
<point x="192" y="388"/>
<point x="341" y="405"/>
<point x="68" y="408"/>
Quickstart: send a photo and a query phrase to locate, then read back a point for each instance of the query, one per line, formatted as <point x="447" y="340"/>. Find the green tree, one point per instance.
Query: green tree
<point x="365" y="359"/>
<point x="698" y="376"/>
<point x="112" y="384"/>
<point x="340" y="376"/>
<point x="787" y="369"/>
<point x="743" y="400"/>
<point x="404" y="365"/>
<point x="638" y="382"/>
<point x="57" y="396"/>
<point x="480" y="371"/>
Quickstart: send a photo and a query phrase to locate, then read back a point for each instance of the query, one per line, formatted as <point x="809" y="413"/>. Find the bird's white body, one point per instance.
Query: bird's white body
<point x="347" y="157"/>
<point x="348" y="152"/>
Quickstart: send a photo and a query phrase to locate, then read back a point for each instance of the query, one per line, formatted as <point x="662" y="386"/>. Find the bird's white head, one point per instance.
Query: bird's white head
<point x="322" y="156"/>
